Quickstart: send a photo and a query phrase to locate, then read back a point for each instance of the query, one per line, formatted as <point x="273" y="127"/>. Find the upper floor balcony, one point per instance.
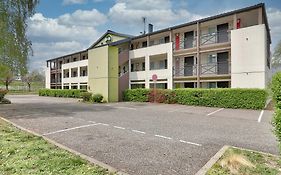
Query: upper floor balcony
<point x="208" y="69"/>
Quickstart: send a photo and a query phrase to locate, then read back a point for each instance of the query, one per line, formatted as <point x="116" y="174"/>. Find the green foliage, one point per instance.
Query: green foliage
<point x="23" y="153"/>
<point x="136" y="95"/>
<point x="6" y="75"/>
<point x="86" y="96"/>
<point x="2" y="95"/>
<point x="276" y="60"/>
<point x="14" y="44"/>
<point x="276" y="90"/>
<point x="97" y="98"/>
<point x="68" y="93"/>
<point x="226" y="98"/>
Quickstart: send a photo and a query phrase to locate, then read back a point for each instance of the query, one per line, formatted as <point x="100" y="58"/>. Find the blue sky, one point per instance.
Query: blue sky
<point x="63" y="26"/>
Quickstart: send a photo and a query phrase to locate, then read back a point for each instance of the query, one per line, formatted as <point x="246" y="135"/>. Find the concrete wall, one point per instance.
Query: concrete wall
<point x="147" y="74"/>
<point x="248" y="57"/>
<point x="103" y="72"/>
<point x="47" y="78"/>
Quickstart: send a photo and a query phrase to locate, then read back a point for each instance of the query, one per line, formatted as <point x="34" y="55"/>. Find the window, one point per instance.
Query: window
<point x="143" y="66"/>
<point x="189" y="85"/>
<point x="144" y="44"/>
<point x="212" y="85"/>
<point x="136" y="86"/>
<point x="132" y="68"/>
<point x="159" y="85"/>
<point x="152" y="66"/>
<point x="74" y="59"/>
<point x="223" y="84"/>
<point x="212" y="58"/>
<point x="167" y="39"/>
<point x="83" y="87"/>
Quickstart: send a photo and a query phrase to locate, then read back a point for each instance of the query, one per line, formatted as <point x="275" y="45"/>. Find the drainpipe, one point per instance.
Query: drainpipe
<point x="198" y="55"/>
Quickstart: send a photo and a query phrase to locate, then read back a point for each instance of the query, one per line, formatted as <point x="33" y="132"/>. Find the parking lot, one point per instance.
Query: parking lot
<point x="143" y="138"/>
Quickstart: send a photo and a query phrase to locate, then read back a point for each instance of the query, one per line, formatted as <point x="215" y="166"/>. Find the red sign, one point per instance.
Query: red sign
<point x="154" y="77"/>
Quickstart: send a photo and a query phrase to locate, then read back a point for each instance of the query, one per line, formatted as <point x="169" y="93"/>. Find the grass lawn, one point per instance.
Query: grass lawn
<point x="23" y="153"/>
<point x="237" y="161"/>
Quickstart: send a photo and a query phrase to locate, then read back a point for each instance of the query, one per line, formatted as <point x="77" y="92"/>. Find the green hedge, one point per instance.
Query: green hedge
<point x="276" y="94"/>
<point x="136" y="95"/>
<point x="69" y="93"/>
<point x="225" y="98"/>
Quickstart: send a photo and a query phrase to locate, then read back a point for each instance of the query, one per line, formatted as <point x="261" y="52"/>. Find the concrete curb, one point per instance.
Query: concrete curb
<point x="83" y="156"/>
<point x="212" y="161"/>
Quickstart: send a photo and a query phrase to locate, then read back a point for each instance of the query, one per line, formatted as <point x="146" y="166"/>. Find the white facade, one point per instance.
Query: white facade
<point x="47" y="77"/>
<point x="147" y="53"/>
<point x="249" y="57"/>
<point x="78" y="80"/>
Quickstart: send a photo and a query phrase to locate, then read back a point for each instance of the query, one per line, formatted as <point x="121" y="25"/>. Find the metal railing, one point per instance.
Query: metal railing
<point x="215" y="37"/>
<point x="216" y="68"/>
<point x="186" y="70"/>
<point x="185" y="43"/>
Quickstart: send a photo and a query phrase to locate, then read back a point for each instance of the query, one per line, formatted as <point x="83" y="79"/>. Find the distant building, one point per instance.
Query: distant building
<point x="229" y="50"/>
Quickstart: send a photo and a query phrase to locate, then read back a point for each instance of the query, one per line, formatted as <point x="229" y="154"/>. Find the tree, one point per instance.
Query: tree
<point x="276" y="60"/>
<point x="6" y="75"/>
<point x="34" y="76"/>
<point x="14" y="44"/>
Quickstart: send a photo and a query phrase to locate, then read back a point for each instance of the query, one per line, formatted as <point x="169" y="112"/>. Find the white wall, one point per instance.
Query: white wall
<point x="77" y="79"/>
<point x="248" y="57"/>
<point x="147" y="74"/>
<point x="47" y="77"/>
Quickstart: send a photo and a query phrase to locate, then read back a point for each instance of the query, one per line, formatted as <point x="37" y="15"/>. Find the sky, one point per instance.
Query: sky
<point x="61" y="27"/>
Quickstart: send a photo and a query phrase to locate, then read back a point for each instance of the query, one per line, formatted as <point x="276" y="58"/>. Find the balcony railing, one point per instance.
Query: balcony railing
<point x="216" y="37"/>
<point x="217" y="68"/>
<point x="186" y="43"/>
<point x="187" y="70"/>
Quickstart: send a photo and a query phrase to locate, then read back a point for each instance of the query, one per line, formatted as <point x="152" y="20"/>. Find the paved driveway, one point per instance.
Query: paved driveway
<point x="142" y="138"/>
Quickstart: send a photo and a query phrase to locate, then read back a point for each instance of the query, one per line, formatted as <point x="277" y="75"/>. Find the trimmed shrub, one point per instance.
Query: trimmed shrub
<point x="162" y="96"/>
<point x="136" y="95"/>
<point x="276" y="94"/>
<point x="2" y="93"/>
<point x="226" y="98"/>
<point x="97" y="98"/>
<point x="68" y="93"/>
<point x="86" y="96"/>
<point x="5" y="101"/>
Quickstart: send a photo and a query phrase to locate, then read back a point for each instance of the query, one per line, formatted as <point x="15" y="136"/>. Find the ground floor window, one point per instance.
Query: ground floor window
<point x="74" y="87"/>
<point x="223" y="84"/>
<point x="84" y="87"/>
<point x="136" y="86"/>
<point x="159" y="85"/>
<point x="65" y="87"/>
<point x="189" y="85"/>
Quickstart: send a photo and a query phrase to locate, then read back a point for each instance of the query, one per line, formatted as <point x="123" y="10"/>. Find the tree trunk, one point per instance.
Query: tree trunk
<point x="29" y="87"/>
<point x="7" y="86"/>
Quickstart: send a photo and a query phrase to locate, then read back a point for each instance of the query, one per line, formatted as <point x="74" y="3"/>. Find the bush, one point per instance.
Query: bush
<point x="2" y="94"/>
<point x="86" y="96"/>
<point x="69" y="93"/>
<point x="276" y="90"/>
<point x="97" y="98"/>
<point x="5" y="101"/>
<point x="136" y="95"/>
<point x="226" y="98"/>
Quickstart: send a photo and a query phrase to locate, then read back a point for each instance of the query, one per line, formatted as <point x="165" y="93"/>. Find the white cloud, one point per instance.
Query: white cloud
<point x="69" y="2"/>
<point x="158" y="12"/>
<point x="66" y="34"/>
<point x="274" y="18"/>
<point x="83" y="18"/>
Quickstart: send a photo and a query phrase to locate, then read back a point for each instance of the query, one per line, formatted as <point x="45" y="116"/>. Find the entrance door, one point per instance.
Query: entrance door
<point x="222" y="33"/>
<point x="188" y="66"/>
<point x="222" y="63"/>
<point x="188" y="39"/>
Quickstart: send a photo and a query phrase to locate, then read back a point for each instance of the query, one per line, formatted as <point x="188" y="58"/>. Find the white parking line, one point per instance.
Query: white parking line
<point x="215" y="111"/>
<point x="69" y="129"/>
<point x="191" y="143"/>
<point x="118" y="127"/>
<point x="260" y="116"/>
<point x="104" y="124"/>
<point x="164" y="137"/>
<point x="121" y="107"/>
<point x="137" y="131"/>
<point x="92" y="121"/>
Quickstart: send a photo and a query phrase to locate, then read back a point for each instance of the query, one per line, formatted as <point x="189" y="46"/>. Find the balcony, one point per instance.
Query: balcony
<point x="215" y="37"/>
<point x="186" y="43"/>
<point x="217" y="68"/>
